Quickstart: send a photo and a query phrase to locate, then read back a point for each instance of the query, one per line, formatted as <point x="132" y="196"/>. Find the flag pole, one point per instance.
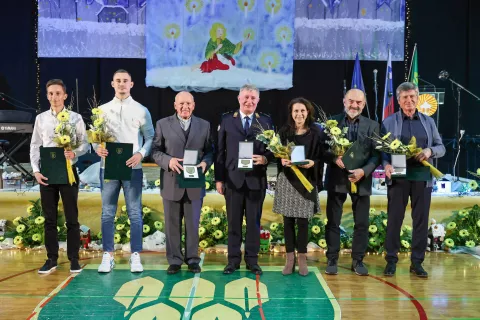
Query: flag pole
<point x="411" y="61"/>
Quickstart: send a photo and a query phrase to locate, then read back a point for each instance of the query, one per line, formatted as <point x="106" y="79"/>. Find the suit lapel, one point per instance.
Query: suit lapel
<point x="362" y="128"/>
<point x="194" y="127"/>
<point x="175" y="125"/>
<point x="238" y="123"/>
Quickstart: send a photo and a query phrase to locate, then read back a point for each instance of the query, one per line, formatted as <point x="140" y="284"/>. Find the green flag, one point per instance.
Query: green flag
<point x="413" y="75"/>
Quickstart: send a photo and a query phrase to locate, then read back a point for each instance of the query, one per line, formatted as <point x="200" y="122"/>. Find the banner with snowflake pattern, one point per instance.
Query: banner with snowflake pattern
<point x="204" y="45"/>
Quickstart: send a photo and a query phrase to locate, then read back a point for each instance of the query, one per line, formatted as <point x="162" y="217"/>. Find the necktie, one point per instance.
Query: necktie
<point x="247" y="125"/>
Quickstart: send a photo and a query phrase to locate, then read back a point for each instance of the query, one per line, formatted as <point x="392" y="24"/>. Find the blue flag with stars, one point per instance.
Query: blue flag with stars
<point x="357" y="79"/>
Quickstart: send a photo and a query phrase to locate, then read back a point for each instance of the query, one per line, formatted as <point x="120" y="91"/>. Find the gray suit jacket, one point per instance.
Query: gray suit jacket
<point x="394" y="124"/>
<point x="170" y="142"/>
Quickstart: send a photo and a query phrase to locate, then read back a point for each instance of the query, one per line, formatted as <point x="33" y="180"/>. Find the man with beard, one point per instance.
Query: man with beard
<point x="339" y="181"/>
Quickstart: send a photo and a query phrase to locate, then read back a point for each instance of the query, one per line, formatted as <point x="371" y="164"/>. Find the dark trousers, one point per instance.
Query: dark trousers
<point x="420" y="197"/>
<point x="298" y="241"/>
<point x="361" y="208"/>
<point x="175" y="211"/>
<point x="50" y="196"/>
<point x="242" y="202"/>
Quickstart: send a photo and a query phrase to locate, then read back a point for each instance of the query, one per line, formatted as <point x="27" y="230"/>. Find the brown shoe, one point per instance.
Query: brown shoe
<point x="289" y="264"/>
<point x="302" y="264"/>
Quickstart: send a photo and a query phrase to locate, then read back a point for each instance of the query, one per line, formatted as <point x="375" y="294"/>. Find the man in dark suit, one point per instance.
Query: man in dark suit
<point x="244" y="190"/>
<point x="338" y="183"/>
<point x="403" y="125"/>
<point x="173" y="135"/>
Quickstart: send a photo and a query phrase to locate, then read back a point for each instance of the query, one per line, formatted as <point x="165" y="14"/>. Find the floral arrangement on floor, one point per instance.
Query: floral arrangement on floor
<point x="316" y="231"/>
<point x="29" y="231"/>
<point x="122" y="225"/>
<point x="464" y="229"/>
<point x="277" y="233"/>
<point x="377" y="231"/>
<point x="213" y="228"/>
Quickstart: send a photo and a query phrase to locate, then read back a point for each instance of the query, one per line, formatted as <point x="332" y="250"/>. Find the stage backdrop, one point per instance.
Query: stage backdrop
<point x="324" y="29"/>
<point x="205" y="45"/>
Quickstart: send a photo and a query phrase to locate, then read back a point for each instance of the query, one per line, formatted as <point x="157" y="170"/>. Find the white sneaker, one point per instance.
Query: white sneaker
<point x="108" y="263"/>
<point x="135" y="263"/>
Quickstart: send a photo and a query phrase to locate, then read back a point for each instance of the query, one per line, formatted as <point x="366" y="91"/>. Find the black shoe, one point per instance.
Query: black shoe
<point x="418" y="270"/>
<point x="390" y="269"/>
<point x="359" y="268"/>
<point x="75" y="266"/>
<point x="331" y="267"/>
<point x="174" y="268"/>
<point x="230" y="268"/>
<point x="254" y="268"/>
<point x="194" y="267"/>
<point x="48" y="267"/>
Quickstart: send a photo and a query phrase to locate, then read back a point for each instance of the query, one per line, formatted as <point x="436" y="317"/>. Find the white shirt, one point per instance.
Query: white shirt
<point x="44" y="132"/>
<point x="243" y="116"/>
<point x="130" y="122"/>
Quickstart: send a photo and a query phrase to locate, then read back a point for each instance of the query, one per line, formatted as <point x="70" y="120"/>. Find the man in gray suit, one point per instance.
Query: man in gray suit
<point x="173" y="135"/>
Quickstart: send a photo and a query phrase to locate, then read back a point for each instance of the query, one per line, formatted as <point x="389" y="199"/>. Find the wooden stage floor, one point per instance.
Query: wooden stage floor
<point x="451" y="292"/>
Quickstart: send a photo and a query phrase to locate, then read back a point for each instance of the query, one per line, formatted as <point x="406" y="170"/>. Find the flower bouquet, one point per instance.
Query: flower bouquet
<point x="394" y="146"/>
<point x="337" y="140"/>
<point x="98" y="132"/>
<point x="66" y="137"/>
<point x="274" y="144"/>
<point x="464" y="229"/>
<point x="213" y="228"/>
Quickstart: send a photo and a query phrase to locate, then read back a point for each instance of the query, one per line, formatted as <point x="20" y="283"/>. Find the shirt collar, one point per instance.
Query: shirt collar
<point x="243" y="115"/>
<point x="414" y="117"/>
<point x="348" y="120"/>
<point x="126" y="100"/>
<point x="55" y="113"/>
<point x="183" y="120"/>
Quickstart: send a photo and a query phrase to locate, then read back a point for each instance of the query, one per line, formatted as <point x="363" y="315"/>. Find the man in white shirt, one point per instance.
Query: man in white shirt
<point x="130" y="122"/>
<point x="43" y="134"/>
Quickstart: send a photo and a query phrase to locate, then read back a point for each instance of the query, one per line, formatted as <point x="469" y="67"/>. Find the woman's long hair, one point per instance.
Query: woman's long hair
<point x="290" y="125"/>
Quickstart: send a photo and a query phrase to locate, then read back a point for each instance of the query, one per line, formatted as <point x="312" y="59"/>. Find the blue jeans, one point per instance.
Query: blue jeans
<point x="132" y="190"/>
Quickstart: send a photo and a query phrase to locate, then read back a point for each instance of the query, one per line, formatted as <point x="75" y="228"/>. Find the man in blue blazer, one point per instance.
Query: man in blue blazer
<point x="403" y="125"/>
<point x="244" y="191"/>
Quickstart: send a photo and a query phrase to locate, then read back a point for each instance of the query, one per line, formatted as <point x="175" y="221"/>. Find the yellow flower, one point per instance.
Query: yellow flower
<point x="470" y="244"/>
<point x="405" y="244"/>
<point x="16" y="221"/>
<point x="463" y="213"/>
<point x="124" y="208"/>
<point x="407" y="227"/>
<point x="316" y="229"/>
<point x="385" y="221"/>
<point x="325" y="221"/>
<point x="473" y="184"/>
<point x="401" y="233"/>
<point x="30" y="209"/>
<point x="128" y="221"/>
<point x="128" y="234"/>
<point x="218" y="234"/>
<point x="478" y="171"/>
<point x="157" y="183"/>
<point x="224" y="208"/>
<point x="322" y="243"/>
<point x="58" y="128"/>
<point x="20" y="228"/>
<point x="386" y="136"/>
<point x="58" y="229"/>
<point x="269" y="134"/>
<point x="98" y="122"/>
<point x="207" y="185"/>
<point x="18" y="240"/>
<point x="99" y="235"/>
<point x="372" y="211"/>
<point x="274" y="141"/>
<point x="158" y="225"/>
<point x="216" y="221"/>
<point x="37" y="237"/>
<point x="64" y="139"/>
<point x="203" y="244"/>
<point x="244" y="223"/>
<point x="39" y="220"/>
<point x="63" y="116"/>
<point x="115" y="219"/>
<point x="205" y="209"/>
<point x="120" y="227"/>
<point x="332" y="123"/>
<point x="335" y="131"/>
<point x="344" y="142"/>
<point x="395" y="144"/>
<point x="273" y="226"/>
<point x="97" y="111"/>
<point x="373" y="241"/>
<point x="146" y="210"/>
<point x="452" y="225"/>
<point x="464" y="233"/>
<point x="117" y="237"/>
<point x="201" y="231"/>
<point x="206" y="175"/>
<point x="212" y="167"/>
<point x="372" y="228"/>
<point x="146" y="229"/>
<point x="449" y="242"/>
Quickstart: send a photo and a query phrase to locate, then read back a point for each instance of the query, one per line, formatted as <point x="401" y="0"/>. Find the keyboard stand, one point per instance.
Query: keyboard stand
<point x="7" y="157"/>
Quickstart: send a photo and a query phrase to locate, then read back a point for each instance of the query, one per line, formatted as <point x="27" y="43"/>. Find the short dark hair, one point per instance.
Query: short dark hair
<point x="406" y="86"/>
<point x="122" y="71"/>
<point x="311" y="113"/>
<point x="57" y="82"/>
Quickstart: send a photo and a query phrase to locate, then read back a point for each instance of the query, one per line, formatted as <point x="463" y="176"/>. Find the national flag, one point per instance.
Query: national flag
<point x="388" y="104"/>
<point x="413" y="74"/>
<point x="357" y="79"/>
